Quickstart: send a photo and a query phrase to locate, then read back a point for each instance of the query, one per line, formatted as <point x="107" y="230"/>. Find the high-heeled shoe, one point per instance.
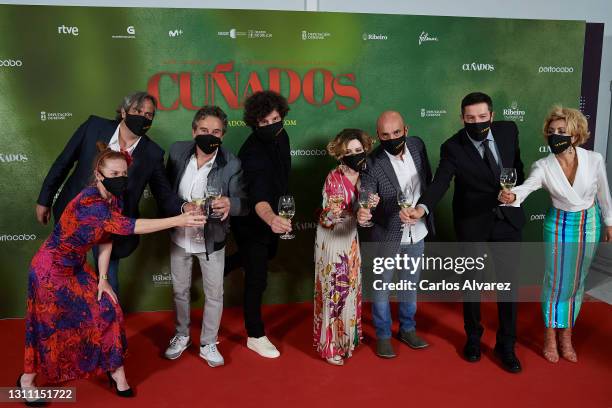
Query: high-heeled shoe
<point x="28" y="401"/>
<point x="129" y="393"/>
<point x="550" y="346"/>
<point x="565" y="344"/>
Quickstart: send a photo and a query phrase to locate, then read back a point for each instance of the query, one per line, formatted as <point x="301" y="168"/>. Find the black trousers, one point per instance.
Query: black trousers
<point x="506" y="260"/>
<point x="254" y="256"/>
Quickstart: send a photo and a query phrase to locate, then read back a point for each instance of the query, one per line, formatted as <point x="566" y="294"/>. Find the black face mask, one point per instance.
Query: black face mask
<point x="208" y="143"/>
<point x="394" y="146"/>
<point x="355" y="161"/>
<point x="478" y="131"/>
<point x="559" y="143"/>
<point x="268" y="133"/>
<point x="139" y="125"/>
<point x="115" y="185"/>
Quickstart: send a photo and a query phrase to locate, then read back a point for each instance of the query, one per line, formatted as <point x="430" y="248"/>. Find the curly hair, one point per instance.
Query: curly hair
<point x="337" y="147"/>
<point x="575" y="121"/>
<point x="261" y="104"/>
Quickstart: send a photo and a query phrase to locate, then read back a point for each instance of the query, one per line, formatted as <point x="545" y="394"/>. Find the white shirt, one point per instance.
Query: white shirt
<point x="192" y="186"/>
<point x="406" y="174"/>
<point x="590" y="182"/>
<point x="114" y="143"/>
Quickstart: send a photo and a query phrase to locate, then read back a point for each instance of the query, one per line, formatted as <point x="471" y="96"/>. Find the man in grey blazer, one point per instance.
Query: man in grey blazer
<point x="196" y="169"/>
<point x="399" y="164"/>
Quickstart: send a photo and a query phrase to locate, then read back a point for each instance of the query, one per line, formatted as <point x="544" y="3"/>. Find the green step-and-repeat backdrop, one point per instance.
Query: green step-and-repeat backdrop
<point x="58" y="65"/>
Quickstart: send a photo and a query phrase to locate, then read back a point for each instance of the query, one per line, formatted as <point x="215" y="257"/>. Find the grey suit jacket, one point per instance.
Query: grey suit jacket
<point x="228" y="171"/>
<point x="380" y="177"/>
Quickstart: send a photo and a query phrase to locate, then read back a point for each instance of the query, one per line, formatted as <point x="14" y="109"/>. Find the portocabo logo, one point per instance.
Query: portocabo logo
<point x="10" y="63"/>
<point x="174" y="89"/>
<point x="555" y="70"/>
<point x="17" y="237"/>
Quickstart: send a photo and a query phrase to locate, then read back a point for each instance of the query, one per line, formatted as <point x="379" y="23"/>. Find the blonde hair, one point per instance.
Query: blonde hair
<point x="337" y="147"/>
<point x="575" y="122"/>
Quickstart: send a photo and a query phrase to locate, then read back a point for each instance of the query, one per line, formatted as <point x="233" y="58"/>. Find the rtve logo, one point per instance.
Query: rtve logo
<point x="68" y="30"/>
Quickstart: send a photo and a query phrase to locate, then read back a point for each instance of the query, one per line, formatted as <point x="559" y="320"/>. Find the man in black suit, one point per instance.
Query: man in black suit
<point x="474" y="157"/>
<point x="127" y="133"/>
<point x="266" y="162"/>
<point x="399" y="164"/>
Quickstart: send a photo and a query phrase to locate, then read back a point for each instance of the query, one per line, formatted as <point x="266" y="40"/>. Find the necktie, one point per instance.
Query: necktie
<point x="127" y="155"/>
<point x="490" y="159"/>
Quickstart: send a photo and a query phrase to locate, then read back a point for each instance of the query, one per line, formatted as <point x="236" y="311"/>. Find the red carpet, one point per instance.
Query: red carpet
<point x="435" y="377"/>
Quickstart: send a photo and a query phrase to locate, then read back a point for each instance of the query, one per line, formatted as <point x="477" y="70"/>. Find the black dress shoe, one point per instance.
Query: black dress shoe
<point x="129" y="393"/>
<point x="509" y="361"/>
<point x="471" y="351"/>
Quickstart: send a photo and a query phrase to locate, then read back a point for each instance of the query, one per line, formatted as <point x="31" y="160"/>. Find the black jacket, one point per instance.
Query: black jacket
<point x="147" y="167"/>
<point x="266" y="167"/>
<point x="476" y="188"/>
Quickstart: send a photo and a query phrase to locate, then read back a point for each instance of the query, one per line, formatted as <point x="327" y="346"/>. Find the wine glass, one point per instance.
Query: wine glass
<point x="199" y="201"/>
<point x="405" y="199"/>
<point x="286" y="209"/>
<point x="507" y="178"/>
<point x="336" y="198"/>
<point x="365" y="201"/>
<point x="213" y="192"/>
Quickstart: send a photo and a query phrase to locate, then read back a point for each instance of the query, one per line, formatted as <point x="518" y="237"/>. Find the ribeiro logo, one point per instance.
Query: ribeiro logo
<point x="555" y="70"/>
<point x="424" y="37"/>
<point x="475" y="66"/>
<point x="68" y="30"/>
<point x="514" y="113"/>
<point x="10" y="158"/>
<point x="10" y="63"/>
<point x="369" y="36"/>
<point x="175" y="33"/>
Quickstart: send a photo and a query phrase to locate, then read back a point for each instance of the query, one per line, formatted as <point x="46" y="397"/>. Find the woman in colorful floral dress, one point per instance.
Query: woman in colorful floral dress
<point x="74" y="325"/>
<point x="337" y="296"/>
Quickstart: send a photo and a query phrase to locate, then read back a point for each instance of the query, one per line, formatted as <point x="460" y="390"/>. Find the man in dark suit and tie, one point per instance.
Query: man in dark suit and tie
<point x="474" y="157"/>
<point x="127" y="133"/>
<point x="399" y="164"/>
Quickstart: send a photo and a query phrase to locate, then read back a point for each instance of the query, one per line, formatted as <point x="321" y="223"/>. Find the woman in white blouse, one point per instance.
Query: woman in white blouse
<point x="577" y="182"/>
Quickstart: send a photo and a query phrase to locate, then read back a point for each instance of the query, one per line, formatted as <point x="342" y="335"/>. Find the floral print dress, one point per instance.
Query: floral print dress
<point x="337" y="295"/>
<point x="69" y="333"/>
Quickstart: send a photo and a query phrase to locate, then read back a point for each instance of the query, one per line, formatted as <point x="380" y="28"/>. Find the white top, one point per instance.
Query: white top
<point x="114" y="143"/>
<point x="406" y="174"/>
<point x="590" y="182"/>
<point x="192" y="186"/>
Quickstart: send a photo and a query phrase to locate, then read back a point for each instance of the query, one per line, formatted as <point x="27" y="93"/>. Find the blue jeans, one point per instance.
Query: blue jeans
<point x="381" y="309"/>
<point x="113" y="270"/>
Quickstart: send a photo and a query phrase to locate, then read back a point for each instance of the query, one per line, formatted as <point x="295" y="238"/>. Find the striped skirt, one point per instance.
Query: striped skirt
<point x="571" y="239"/>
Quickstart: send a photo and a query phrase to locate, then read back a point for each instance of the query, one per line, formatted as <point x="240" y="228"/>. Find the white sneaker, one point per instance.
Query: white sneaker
<point x="263" y="347"/>
<point x="210" y="353"/>
<point x="178" y="344"/>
